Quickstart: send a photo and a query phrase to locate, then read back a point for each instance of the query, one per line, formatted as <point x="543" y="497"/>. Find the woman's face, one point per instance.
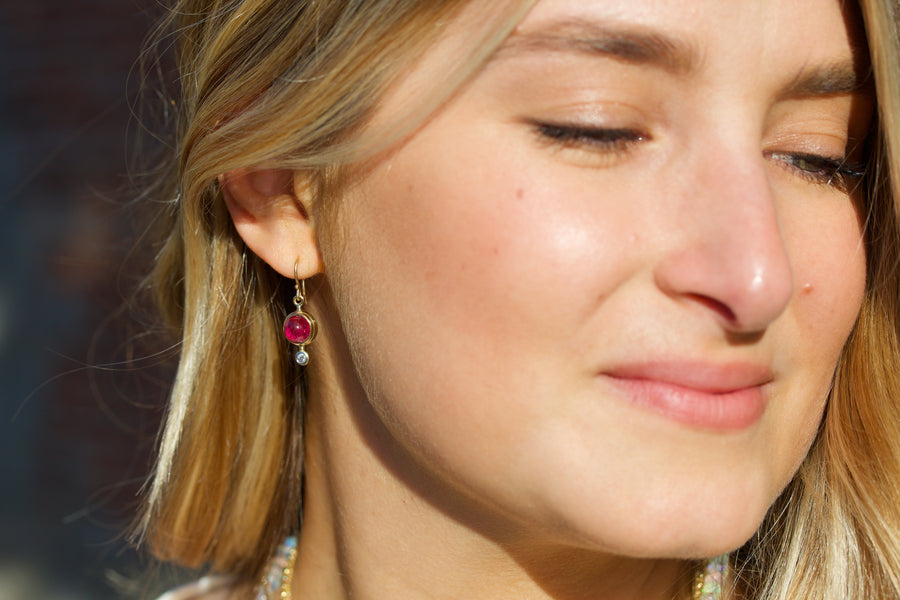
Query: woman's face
<point x="602" y="292"/>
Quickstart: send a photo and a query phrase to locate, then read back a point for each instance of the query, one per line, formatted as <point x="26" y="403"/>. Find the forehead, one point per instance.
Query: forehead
<point x="797" y="17"/>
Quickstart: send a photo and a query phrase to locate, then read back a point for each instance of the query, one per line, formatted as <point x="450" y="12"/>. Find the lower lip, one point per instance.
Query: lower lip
<point x="728" y="411"/>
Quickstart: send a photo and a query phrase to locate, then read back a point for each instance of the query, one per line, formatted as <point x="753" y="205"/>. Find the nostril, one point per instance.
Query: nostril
<point x="716" y="306"/>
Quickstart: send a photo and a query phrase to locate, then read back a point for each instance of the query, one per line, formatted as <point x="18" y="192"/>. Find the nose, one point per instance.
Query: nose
<point x="726" y="251"/>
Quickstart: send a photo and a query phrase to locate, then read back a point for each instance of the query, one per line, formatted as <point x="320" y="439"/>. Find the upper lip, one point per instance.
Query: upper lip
<point x="714" y="378"/>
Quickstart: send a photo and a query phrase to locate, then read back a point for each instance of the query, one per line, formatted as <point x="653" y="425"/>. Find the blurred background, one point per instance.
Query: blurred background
<point x="83" y="377"/>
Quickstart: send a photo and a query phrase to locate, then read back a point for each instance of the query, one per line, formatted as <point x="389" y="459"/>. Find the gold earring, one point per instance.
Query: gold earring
<point x="299" y="326"/>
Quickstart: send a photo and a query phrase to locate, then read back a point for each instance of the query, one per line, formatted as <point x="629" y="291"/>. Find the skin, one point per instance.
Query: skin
<point x="470" y="432"/>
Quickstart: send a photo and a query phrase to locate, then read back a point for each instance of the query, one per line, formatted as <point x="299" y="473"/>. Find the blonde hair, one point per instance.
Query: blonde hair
<point x="292" y="85"/>
<point x="285" y="84"/>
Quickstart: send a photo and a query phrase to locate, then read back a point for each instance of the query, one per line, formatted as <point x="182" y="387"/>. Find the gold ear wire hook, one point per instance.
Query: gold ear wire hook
<point x="299" y="286"/>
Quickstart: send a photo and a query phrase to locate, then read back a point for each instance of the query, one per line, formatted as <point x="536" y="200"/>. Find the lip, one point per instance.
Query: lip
<point x="726" y="397"/>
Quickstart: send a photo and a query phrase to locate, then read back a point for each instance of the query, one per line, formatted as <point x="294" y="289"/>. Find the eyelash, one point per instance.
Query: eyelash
<point x="820" y="170"/>
<point x="609" y="140"/>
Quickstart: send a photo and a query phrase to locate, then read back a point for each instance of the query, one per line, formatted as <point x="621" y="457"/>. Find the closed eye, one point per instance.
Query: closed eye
<point x="820" y="170"/>
<point x="597" y="139"/>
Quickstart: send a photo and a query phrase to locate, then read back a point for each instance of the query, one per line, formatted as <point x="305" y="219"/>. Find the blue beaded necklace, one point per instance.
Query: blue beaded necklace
<point x="710" y="582"/>
<point x="276" y="582"/>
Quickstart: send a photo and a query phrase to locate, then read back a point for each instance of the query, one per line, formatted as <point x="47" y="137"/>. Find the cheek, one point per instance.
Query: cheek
<point x="458" y="292"/>
<point x="470" y="261"/>
<point x="830" y="274"/>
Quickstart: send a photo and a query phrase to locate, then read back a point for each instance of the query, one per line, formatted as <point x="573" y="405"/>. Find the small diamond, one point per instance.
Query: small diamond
<point x="302" y="358"/>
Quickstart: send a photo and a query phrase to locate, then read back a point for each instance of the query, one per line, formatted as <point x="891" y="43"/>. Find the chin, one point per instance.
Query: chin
<point x="688" y="523"/>
<point x="700" y="532"/>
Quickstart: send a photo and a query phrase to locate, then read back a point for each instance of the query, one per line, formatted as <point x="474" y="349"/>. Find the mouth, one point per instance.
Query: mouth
<point x="727" y="397"/>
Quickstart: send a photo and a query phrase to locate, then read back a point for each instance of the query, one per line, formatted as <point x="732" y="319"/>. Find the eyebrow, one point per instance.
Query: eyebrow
<point x="627" y="44"/>
<point x="828" y="80"/>
<point x="650" y="47"/>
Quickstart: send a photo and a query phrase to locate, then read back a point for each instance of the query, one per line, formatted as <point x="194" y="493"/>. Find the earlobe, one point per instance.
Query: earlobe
<point x="272" y="219"/>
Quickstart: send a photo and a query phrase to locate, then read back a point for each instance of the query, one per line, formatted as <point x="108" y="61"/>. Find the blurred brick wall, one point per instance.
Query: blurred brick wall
<point x="74" y="440"/>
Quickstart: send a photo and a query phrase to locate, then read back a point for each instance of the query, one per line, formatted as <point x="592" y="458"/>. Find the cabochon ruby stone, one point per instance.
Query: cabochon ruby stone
<point x="297" y="329"/>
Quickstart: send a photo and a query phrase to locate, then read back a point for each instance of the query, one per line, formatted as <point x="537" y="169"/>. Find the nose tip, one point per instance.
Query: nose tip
<point x="769" y="288"/>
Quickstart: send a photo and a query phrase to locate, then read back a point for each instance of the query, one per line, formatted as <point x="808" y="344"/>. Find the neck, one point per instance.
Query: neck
<point x="377" y="524"/>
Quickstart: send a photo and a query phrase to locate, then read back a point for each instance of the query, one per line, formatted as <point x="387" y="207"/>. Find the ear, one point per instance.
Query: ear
<point x="270" y="209"/>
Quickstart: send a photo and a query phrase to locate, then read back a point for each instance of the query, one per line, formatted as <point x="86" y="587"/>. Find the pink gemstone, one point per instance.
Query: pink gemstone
<point x="297" y="328"/>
